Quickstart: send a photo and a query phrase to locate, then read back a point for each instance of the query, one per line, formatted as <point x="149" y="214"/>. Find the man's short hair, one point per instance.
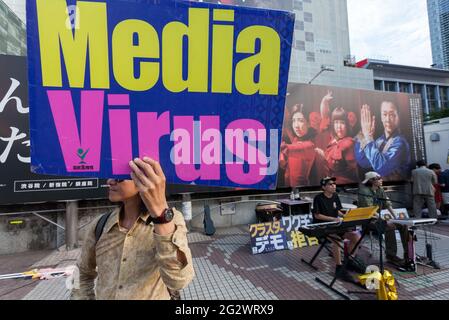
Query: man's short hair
<point x="434" y="166"/>
<point x="420" y="163"/>
<point x="390" y="102"/>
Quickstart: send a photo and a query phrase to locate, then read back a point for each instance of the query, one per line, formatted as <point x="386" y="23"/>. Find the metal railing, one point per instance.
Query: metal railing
<point x="38" y="213"/>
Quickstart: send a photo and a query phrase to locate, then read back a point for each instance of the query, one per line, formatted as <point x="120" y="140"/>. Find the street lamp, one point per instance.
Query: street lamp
<point x="323" y="68"/>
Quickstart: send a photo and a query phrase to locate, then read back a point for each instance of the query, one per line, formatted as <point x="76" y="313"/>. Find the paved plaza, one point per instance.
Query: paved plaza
<point x="227" y="270"/>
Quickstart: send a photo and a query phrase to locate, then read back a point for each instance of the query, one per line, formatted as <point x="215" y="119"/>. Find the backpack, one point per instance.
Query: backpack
<point x="174" y="294"/>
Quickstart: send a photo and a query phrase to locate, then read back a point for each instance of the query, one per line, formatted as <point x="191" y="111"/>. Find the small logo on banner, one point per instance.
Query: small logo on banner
<point x="81" y="153"/>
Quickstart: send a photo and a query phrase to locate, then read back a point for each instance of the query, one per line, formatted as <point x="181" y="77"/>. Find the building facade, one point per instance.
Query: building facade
<point x="438" y="11"/>
<point x="436" y="136"/>
<point x="12" y="32"/>
<point x="18" y="7"/>
<point x="320" y="43"/>
<point x="432" y="84"/>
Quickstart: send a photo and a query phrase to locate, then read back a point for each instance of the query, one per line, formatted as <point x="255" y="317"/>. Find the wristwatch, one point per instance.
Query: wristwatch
<point x="165" y="217"/>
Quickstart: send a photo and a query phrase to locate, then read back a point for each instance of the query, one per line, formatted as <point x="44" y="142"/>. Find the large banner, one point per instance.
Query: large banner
<point x="199" y="87"/>
<point x="344" y="133"/>
<point x="17" y="183"/>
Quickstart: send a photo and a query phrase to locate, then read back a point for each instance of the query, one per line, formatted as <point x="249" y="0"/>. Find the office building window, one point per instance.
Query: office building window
<point x="299" y="25"/>
<point x="444" y="98"/>
<point x="417" y="89"/>
<point x="404" y="87"/>
<point x="309" y="36"/>
<point x="310" y="56"/>
<point x="433" y="105"/>
<point x="390" y="86"/>
<point x="378" y="85"/>
<point x="308" y="17"/>
<point x="431" y="92"/>
<point x="300" y="45"/>
<point x="431" y="98"/>
<point x="297" y="5"/>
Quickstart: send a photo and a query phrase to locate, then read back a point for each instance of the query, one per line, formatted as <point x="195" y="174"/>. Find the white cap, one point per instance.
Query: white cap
<point x="370" y="175"/>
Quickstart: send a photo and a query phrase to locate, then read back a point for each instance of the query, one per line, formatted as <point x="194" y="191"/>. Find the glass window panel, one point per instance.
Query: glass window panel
<point x="390" y="86"/>
<point x="404" y="87"/>
<point x="309" y="36"/>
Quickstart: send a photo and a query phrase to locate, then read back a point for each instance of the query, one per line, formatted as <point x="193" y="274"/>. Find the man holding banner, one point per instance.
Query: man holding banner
<point x="143" y="251"/>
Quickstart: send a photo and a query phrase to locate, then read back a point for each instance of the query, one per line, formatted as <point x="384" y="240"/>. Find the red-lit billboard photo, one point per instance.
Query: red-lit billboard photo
<point x="344" y="133"/>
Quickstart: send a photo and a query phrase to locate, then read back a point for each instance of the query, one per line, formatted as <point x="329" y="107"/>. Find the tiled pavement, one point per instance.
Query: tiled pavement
<point x="226" y="269"/>
<point x="12" y="263"/>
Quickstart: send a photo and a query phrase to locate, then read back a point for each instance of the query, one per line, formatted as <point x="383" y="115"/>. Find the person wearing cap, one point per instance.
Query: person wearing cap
<point x="371" y="193"/>
<point x="327" y="208"/>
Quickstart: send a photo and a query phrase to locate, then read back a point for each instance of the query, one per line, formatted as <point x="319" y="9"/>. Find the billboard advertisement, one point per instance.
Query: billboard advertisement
<point x="344" y="133"/>
<point x="198" y="87"/>
<point x="17" y="183"/>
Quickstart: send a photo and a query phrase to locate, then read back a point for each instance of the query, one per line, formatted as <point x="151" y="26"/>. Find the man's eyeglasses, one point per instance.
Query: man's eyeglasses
<point x="331" y="184"/>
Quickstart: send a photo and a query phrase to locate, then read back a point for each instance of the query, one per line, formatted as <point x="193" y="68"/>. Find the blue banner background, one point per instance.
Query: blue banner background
<point x="46" y="152"/>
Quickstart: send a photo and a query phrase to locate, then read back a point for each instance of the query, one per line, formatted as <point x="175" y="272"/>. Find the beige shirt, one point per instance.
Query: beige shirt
<point x="133" y="265"/>
<point x="423" y="180"/>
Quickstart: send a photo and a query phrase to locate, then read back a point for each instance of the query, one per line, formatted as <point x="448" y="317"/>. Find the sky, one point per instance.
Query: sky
<point x="394" y="30"/>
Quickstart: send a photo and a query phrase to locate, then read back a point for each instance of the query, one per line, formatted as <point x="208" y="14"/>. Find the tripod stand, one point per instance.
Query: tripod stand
<point x="427" y="261"/>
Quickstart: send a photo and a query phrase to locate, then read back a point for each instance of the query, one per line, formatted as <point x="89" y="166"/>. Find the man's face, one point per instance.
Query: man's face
<point x="315" y="120"/>
<point x="330" y="187"/>
<point x="121" y="190"/>
<point x="299" y="124"/>
<point x="390" y="118"/>
<point x="377" y="182"/>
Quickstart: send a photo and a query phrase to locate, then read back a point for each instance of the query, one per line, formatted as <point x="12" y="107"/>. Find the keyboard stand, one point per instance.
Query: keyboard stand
<point x="345" y="263"/>
<point x="323" y="245"/>
<point x="427" y="261"/>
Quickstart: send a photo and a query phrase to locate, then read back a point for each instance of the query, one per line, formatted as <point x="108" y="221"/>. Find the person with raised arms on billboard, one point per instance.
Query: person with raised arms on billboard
<point x="323" y="129"/>
<point x="388" y="155"/>
<point x="142" y="252"/>
<point x="340" y="151"/>
<point x="299" y="157"/>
